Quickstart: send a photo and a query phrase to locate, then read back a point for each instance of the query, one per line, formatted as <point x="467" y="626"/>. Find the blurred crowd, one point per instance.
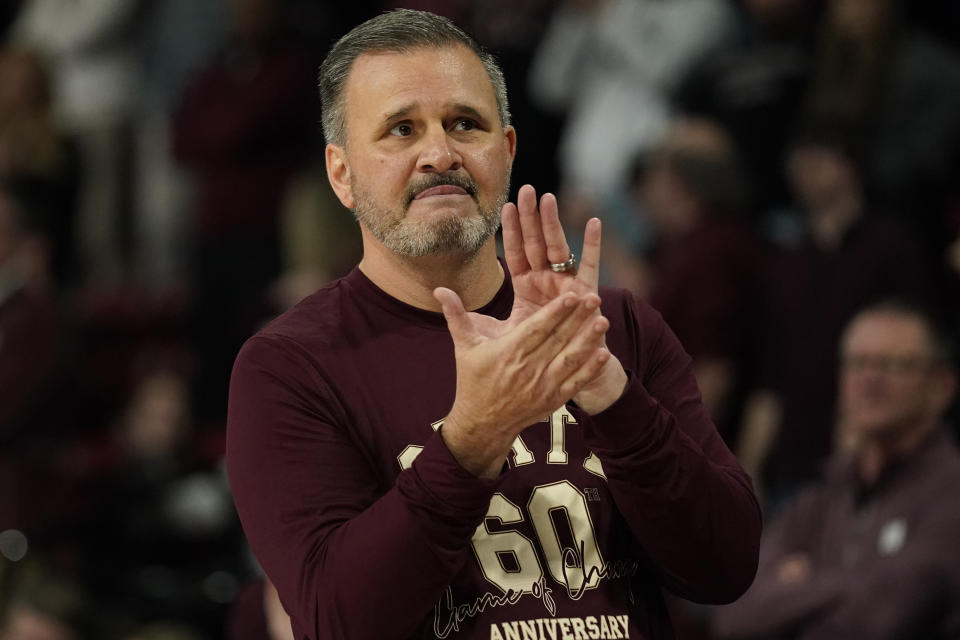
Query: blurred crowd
<point x="764" y="168"/>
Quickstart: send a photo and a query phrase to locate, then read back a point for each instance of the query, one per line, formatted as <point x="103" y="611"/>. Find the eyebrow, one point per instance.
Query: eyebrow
<point x="470" y="111"/>
<point x="399" y="113"/>
<point x="407" y="109"/>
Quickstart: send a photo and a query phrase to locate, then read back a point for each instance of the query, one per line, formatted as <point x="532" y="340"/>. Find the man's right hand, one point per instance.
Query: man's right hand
<point x="511" y="374"/>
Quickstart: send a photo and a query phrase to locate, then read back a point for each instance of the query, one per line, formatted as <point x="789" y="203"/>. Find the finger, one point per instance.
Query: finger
<point x="578" y="350"/>
<point x="458" y="323"/>
<point x="533" y="242"/>
<point x="589" y="270"/>
<point x="531" y="333"/>
<point x="583" y="376"/>
<point x="555" y="240"/>
<point x="513" y="240"/>
<point x="566" y="331"/>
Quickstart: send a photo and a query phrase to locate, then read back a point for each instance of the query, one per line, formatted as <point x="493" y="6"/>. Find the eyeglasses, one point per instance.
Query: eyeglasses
<point x="894" y="365"/>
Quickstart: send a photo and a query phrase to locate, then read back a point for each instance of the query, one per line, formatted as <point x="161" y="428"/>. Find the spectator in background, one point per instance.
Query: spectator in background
<point x="871" y="551"/>
<point x="609" y="66"/>
<point x="36" y="155"/>
<point x="163" y="542"/>
<point x="319" y="240"/>
<point x="693" y="193"/>
<point x="91" y="48"/>
<point x="754" y="87"/>
<point x="31" y="353"/>
<point x="898" y="89"/>
<point x="180" y="37"/>
<point x="246" y="126"/>
<point x="844" y="258"/>
<point x="46" y="606"/>
<point x="28" y="622"/>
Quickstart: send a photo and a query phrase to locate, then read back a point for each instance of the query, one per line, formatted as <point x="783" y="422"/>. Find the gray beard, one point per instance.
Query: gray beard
<point x="414" y="239"/>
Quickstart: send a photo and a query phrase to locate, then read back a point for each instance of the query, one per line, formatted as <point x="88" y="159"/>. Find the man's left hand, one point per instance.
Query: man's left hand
<point x="533" y="238"/>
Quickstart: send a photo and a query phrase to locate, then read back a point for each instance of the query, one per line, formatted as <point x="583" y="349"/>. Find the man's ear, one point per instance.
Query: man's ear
<point x="338" y="173"/>
<point x="511" y="136"/>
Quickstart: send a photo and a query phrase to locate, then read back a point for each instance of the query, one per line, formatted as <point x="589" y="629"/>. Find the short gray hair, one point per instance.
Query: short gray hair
<point x="940" y="335"/>
<point x="395" y="31"/>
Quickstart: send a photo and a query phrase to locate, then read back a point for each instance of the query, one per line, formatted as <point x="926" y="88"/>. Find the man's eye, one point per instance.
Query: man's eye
<point x="403" y="130"/>
<point x="465" y="124"/>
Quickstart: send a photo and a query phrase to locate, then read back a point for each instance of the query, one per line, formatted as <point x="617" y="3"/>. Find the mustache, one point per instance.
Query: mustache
<point x="438" y="180"/>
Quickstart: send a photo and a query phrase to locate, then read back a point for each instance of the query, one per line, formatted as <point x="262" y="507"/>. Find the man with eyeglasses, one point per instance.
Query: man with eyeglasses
<point x="873" y="550"/>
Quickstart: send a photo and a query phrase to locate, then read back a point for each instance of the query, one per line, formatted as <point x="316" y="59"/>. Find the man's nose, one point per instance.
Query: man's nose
<point x="438" y="152"/>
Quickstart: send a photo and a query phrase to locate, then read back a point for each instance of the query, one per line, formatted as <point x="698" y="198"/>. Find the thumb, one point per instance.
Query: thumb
<point x="457" y="321"/>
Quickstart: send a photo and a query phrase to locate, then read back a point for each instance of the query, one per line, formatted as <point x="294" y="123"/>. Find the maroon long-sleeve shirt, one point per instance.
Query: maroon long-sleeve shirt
<point x="370" y="528"/>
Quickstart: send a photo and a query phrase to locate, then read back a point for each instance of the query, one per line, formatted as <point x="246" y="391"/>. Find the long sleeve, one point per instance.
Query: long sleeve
<point x="337" y="544"/>
<point x="352" y="502"/>
<point x="688" y="503"/>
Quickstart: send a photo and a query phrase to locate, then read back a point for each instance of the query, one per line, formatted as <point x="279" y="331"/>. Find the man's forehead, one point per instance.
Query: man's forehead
<point x="888" y="331"/>
<point x="437" y="52"/>
<point x="453" y="67"/>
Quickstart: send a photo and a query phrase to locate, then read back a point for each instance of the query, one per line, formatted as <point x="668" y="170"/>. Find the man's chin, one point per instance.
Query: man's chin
<point x="445" y="235"/>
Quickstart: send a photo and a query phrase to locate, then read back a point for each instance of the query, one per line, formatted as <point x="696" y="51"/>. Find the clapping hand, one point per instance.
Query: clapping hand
<point x="533" y="240"/>
<point x="513" y="372"/>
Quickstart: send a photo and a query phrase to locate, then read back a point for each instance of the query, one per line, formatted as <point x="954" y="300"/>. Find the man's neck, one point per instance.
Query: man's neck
<point x="876" y="454"/>
<point x="476" y="279"/>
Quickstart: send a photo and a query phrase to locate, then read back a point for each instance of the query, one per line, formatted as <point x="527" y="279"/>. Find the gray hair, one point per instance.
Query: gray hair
<point x="395" y="31"/>
<point x="939" y="334"/>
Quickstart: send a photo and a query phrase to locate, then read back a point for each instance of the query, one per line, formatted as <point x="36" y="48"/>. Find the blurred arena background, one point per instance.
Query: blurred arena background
<point x="764" y="169"/>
